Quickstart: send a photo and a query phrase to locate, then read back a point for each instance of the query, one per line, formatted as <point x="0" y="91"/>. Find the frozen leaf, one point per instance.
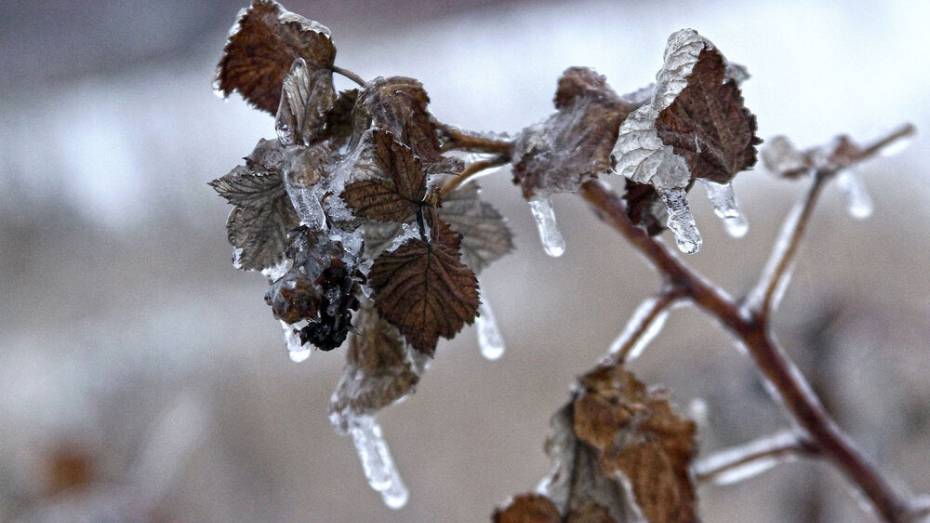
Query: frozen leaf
<point x="399" y="105"/>
<point x="781" y="157"/>
<point x="485" y="235"/>
<point x="307" y="96"/>
<point x="339" y="286"/>
<point x="379" y="236"/>
<point x="639" y="435"/>
<point x="708" y="124"/>
<point x="528" y="508"/>
<point x="339" y="119"/>
<point x="575" y="143"/>
<point x="378" y="369"/>
<point x="398" y="188"/>
<point x="262" y="214"/>
<point x="644" y="206"/>
<point x="293" y="297"/>
<point x="262" y="47"/>
<point x="424" y="289"/>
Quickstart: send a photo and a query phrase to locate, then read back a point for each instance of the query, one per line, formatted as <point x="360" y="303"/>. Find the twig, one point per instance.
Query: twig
<point x="788" y="385"/>
<point x="350" y="75"/>
<point x="470" y="171"/>
<point x="763" y="452"/>
<point x="640" y="323"/>
<point x="467" y="141"/>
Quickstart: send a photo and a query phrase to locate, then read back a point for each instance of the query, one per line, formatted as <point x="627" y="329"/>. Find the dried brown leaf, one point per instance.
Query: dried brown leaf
<point x="528" y="508"/>
<point x="398" y="189"/>
<point x="262" y="46"/>
<point x="639" y="435"/>
<point x="485" y="235"/>
<point x="424" y="289"/>
<point x="708" y="125"/>
<point x="575" y="143"/>
<point x="644" y="206"/>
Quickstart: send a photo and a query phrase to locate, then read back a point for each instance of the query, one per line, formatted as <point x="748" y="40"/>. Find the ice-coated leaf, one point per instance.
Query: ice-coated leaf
<point x="399" y="105"/>
<point x="307" y="96"/>
<point x="293" y="297"/>
<point x="263" y="45"/>
<point x="424" y="289"/>
<point x="574" y="144"/>
<point x="339" y="119"/>
<point x="695" y="126"/>
<point x="638" y="434"/>
<point x="378" y="371"/>
<point x="782" y="158"/>
<point x="528" y="508"/>
<point x="485" y="235"/>
<point x="262" y="214"/>
<point x="708" y="125"/>
<point x="644" y="206"/>
<point x="396" y="191"/>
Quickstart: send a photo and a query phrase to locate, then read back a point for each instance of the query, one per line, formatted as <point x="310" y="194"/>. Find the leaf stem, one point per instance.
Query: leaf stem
<point x="640" y="323"/>
<point x="470" y="171"/>
<point x="350" y="75"/>
<point x="776" y="447"/>
<point x="469" y="141"/>
<point x="788" y="385"/>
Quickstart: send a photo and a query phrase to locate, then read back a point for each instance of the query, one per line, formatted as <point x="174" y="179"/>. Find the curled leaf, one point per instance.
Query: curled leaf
<point x="575" y="143"/>
<point x="263" y="45"/>
<point x="424" y="289"/>
<point x="307" y="97"/>
<point x="398" y="187"/>
<point x="485" y="235"/>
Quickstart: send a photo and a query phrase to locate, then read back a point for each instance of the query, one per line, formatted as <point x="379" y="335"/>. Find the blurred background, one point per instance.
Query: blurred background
<point x="142" y="378"/>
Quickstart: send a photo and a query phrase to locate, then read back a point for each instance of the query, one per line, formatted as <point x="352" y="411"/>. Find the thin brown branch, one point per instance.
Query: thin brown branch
<point x="788" y="385"/>
<point x="350" y="75"/>
<point x="905" y="131"/>
<point x="734" y="464"/>
<point x="468" y="141"/>
<point x="470" y="171"/>
<point x="640" y="325"/>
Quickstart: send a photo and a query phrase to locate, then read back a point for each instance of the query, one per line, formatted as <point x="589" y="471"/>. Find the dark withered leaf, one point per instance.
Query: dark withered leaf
<point x="339" y="119"/>
<point x="307" y="96"/>
<point x="528" y="508"/>
<point x="293" y="297"/>
<point x="485" y="235"/>
<point x="638" y="434"/>
<point x="339" y="288"/>
<point x="399" y="105"/>
<point x="262" y="46"/>
<point x="575" y="143"/>
<point x="424" y="289"/>
<point x="644" y="206"/>
<point x="397" y="190"/>
<point x="262" y="214"/>
<point x="378" y="369"/>
<point x="708" y="125"/>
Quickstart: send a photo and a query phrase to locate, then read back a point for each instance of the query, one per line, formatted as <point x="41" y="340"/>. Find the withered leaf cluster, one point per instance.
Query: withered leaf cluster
<point x="340" y="211"/>
<point x="621" y="453"/>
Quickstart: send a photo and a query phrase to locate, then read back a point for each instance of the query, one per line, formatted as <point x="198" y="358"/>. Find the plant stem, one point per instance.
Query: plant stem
<point x="467" y="141"/>
<point x="350" y="75"/>
<point x="469" y="172"/>
<point x="639" y="325"/>
<point x="788" y="385"/>
<point x="776" y="447"/>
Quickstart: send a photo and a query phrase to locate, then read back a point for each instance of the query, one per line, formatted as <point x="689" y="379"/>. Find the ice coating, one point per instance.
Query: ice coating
<point x="295" y="349"/>
<point x="779" y="156"/>
<point x="645" y="324"/>
<point x="377" y="462"/>
<point x="275" y="272"/>
<point x="489" y="335"/>
<point x="549" y="233"/>
<point x="858" y="201"/>
<point x="723" y="199"/>
<point x="741" y="463"/>
<point x="681" y="221"/>
<point x="770" y="272"/>
<point x="308" y="207"/>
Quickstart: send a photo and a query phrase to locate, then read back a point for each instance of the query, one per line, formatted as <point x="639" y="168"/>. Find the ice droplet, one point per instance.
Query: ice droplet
<point x="647" y="323"/>
<point x="376" y="460"/>
<point x="681" y="221"/>
<point x="726" y="208"/>
<point x="858" y="202"/>
<point x="489" y="336"/>
<point x="549" y="234"/>
<point x="295" y="350"/>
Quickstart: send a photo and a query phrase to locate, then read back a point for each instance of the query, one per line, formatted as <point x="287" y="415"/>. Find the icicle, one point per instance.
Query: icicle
<point x="723" y="198"/>
<point x="681" y="221"/>
<point x="376" y="461"/>
<point x="489" y="336"/>
<point x="645" y="313"/>
<point x="549" y="234"/>
<point x="858" y="201"/>
<point x="295" y="350"/>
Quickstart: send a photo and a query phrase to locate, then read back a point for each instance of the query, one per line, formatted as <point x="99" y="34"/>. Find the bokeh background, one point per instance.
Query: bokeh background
<point x="142" y="377"/>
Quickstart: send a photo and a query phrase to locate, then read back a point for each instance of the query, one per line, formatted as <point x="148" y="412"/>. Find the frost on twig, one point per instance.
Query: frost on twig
<point x="694" y="127"/>
<point x="645" y="324"/>
<point x="620" y="453"/>
<point x="737" y="464"/>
